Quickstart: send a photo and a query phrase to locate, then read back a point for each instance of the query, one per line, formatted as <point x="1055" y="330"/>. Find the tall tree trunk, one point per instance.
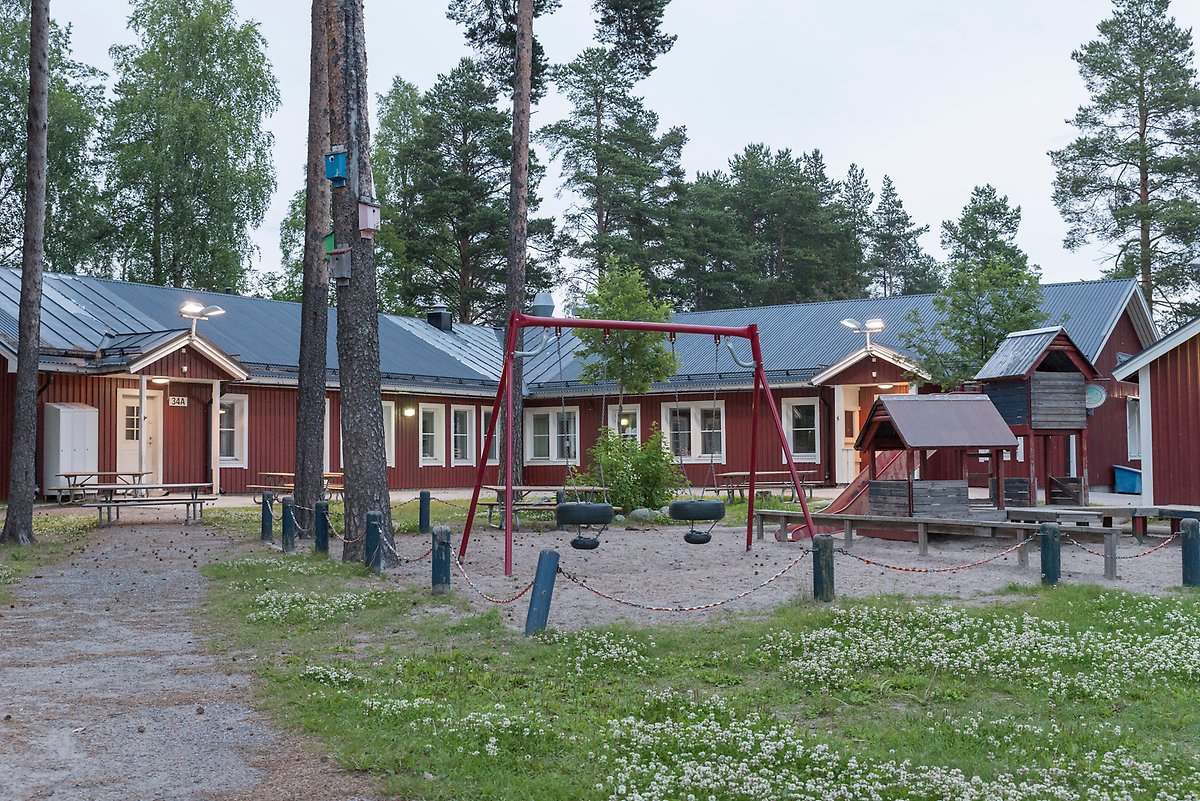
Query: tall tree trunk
<point x="314" y="310"/>
<point x="22" y="482"/>
<point x="1144" y="261"/>
<point x="365" y="462"/>
<point x="518" y="214"/>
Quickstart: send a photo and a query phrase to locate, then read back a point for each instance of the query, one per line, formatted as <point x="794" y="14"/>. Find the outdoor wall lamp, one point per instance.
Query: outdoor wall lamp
<point x="410" y="411"/>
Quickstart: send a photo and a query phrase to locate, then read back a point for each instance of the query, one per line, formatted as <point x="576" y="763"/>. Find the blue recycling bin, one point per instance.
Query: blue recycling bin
<point x="1127" y="480"/>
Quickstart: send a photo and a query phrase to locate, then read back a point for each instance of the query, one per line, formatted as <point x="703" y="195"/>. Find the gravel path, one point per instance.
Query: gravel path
<point x="109" y="693"/>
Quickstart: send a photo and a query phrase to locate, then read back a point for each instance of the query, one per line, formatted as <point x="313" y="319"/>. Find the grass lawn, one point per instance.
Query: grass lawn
<point x="56" y="535"/>
<point x="1071" y="693"/>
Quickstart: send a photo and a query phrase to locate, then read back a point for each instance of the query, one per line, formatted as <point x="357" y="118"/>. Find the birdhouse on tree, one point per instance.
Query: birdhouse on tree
<point x="335" y="166"/>
<point x="368" y="219"/>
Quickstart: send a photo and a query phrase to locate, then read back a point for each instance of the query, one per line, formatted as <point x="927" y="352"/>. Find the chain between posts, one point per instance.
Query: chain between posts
<point x="647" y="607"/>
<point x="950" y="569"/>
<point x="1083" y="547"/>
<point x="485" y="596"/>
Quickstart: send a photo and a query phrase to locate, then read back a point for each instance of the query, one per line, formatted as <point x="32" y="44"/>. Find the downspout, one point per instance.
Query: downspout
<point x="46" y="386"/>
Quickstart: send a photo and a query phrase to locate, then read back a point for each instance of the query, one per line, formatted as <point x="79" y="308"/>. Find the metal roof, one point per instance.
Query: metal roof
<point x="82" y="314"/>
<point x="1017" y="354"/>
<point x="935" y="421"/>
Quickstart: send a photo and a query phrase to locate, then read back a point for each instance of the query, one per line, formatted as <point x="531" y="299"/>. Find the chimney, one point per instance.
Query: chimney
<point x="440" y="319"/>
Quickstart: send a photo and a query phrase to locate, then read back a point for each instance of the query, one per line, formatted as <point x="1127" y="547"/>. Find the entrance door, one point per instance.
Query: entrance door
<point x="132" y="425"/>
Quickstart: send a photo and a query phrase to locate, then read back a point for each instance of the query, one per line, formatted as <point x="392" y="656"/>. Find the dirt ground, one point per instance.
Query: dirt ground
<point x="110" y="693"/>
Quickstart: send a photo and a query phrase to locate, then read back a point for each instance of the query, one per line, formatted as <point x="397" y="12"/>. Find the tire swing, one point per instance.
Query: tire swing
<point x="700" y="509"/>
<point x="579" y="513"/>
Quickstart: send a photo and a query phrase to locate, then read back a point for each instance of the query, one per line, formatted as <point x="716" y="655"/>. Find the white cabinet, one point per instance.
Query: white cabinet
<point x="72" y="439"/>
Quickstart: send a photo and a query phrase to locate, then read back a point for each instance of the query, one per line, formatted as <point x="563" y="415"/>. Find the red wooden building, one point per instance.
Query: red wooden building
<point x="218" y="398"/>
<point x="1165" y="419"/>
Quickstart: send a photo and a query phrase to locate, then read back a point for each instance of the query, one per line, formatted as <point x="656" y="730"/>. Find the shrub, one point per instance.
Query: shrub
<point x="636" y="474"/>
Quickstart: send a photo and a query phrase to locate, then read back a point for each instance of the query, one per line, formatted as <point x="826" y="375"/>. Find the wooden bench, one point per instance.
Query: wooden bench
<point x="923" y="526"/>
<point x="518" y="506"/>
<point x="105" y="508"/>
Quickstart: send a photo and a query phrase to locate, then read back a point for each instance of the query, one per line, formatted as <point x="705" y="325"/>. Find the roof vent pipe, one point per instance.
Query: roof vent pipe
<point x="440" y="318"/>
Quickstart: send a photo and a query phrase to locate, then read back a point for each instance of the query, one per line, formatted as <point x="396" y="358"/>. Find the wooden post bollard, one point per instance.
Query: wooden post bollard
<point x="373" y="544"/>
<point x="1191" y="552"/>
<point x="1051" y="554"/>
<point x="1110" y="555"/>
<point x="268" y="521"/>
<point x="923" y="539"/>
<point x="542" y="592"/>
<point x="847" y="533"/>
<point x="321" y="528"/>
<point x="289" y="523"/>
<point x="823" y="567"/>
<point x="423" y="519"/>
<point x="1023" y="551"/>
<point x="441" y="560"/>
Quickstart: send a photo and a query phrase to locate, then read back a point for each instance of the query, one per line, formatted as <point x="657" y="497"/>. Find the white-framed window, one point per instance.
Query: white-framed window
<point x="326" y="434"/>
<point x="695" y="431"/>
<point x="462" y="435"/>
<point x="433" y="433"/>
<point x="1133" y="426"/>
<point x="626" y="420"/>
<point x="232" y="432"/>
<point x="552" y="435"/>
<point x="389" y="431"/>
<point x="802" y="424"/>
<point x="485" y="420"/>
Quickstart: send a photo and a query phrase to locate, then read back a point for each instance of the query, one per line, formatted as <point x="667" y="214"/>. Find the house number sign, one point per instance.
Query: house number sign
<point x="179" y="400"/>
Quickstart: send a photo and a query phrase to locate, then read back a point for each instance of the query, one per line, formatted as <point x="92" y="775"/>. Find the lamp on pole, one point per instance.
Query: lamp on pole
<point x="194" y="311"/>
<point x="873" y="326"/>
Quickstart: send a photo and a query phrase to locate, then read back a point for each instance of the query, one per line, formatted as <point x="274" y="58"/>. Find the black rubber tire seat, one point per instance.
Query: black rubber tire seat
<point x="694" y="537"/>
<point x="582" y="543"/>
<point x="584" y="514"/>
<point x="696" y="509"/>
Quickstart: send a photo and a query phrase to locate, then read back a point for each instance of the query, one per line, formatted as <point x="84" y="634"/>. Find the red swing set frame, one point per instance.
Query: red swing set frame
<point x="518" y="321"/>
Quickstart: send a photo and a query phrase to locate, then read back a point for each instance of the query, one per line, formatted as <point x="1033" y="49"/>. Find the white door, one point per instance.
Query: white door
<point x="132" y="425"/>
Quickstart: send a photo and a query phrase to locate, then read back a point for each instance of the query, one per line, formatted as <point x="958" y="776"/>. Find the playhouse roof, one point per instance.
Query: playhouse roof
<point x="926" y="422"/>
<point x="1023" y="352"/>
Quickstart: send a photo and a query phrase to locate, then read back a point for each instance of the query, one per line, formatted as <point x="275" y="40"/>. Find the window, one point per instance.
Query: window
<point x="389" y="432"/>
<point x="626" y="420"/>
<point x="232" y="430"/>
<point x="433" y="434"/>
<point x="800" y="421"/>
<point x="462" y="435"/>
<point x="133" y="423"/>
<point x="485" y="420"/>
<point x="552" y="435"/>
<point x="696" y="431"/>
<point x="1133" y="426"/>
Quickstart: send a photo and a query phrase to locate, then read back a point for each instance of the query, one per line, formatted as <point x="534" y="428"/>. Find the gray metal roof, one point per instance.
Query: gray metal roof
<point x="936" y="421"/>
<point x="82" y="314"/>
<point x="1017" y="353"/>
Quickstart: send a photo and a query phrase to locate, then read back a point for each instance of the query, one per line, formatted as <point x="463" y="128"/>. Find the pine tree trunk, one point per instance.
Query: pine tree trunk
<point x="364" y="460"/>
<point x="518" y="214"/>
<point x="314" y="310"/>
<point x="22" y="483"/>
<point x="1144" y="260"/>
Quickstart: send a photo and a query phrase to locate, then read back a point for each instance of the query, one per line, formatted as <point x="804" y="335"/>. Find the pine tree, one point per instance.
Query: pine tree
<point x="1131" y="180"/>
<point x="857" y="198"/>
<point x="898" y="263"/>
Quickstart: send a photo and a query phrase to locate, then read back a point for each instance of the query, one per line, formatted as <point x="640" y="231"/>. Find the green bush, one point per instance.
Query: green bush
<point x="636" y="474"/>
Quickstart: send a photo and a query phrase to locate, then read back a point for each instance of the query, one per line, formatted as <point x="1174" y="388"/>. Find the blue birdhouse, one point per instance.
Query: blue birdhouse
<point x="335" y="166"/>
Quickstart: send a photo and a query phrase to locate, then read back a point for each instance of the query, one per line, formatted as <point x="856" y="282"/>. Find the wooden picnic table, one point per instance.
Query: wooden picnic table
<point x="739" y="480"/>
<point x="542" y="505"/>
<point x="78" y="481"/>
<point x="521" y="490"/>
<point x="273" y="481"/>
<point x="110" y="498"/>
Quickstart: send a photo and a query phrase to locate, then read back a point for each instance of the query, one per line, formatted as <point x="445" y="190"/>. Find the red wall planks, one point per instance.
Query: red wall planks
<point x="1174" y="390"/>
<point x="185" y="363"/>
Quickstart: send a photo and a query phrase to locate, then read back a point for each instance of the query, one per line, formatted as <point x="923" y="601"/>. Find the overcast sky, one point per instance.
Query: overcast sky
<point x="942" y="95"/>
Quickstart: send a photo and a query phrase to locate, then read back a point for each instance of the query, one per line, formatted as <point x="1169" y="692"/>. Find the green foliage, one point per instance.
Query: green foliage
<point x="772" y="230"/>
<point x="443" y="160"/>
<point x="635" y="474"/>
<point x="991" y="291"/>
<point x="898" y="264"/>
<point x="627" y="175"/>
<point x="491" y="30"/>
<point x="633" y="359"/>
<point x="75" y="222"/>
<point x="189" y="171"/>
<point x="1129" y="179"/>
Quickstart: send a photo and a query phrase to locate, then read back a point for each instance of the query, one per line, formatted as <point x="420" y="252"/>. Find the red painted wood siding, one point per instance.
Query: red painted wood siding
<point x="1174" y="394"/>
<point x="271" y="441"/>
<point x="173" y="364"/>
<point x="861" y="373"/>
<point x="186" y="453"/>
<point x="1107" y="435"/>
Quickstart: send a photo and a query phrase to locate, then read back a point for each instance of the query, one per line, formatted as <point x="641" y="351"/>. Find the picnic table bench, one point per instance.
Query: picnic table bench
<point x="78" y="488"/>
<point x="280" y="483"/>
<point x="547" y="503"/>
<point x="739" y="481"/>
<point x="109" y="502"/>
